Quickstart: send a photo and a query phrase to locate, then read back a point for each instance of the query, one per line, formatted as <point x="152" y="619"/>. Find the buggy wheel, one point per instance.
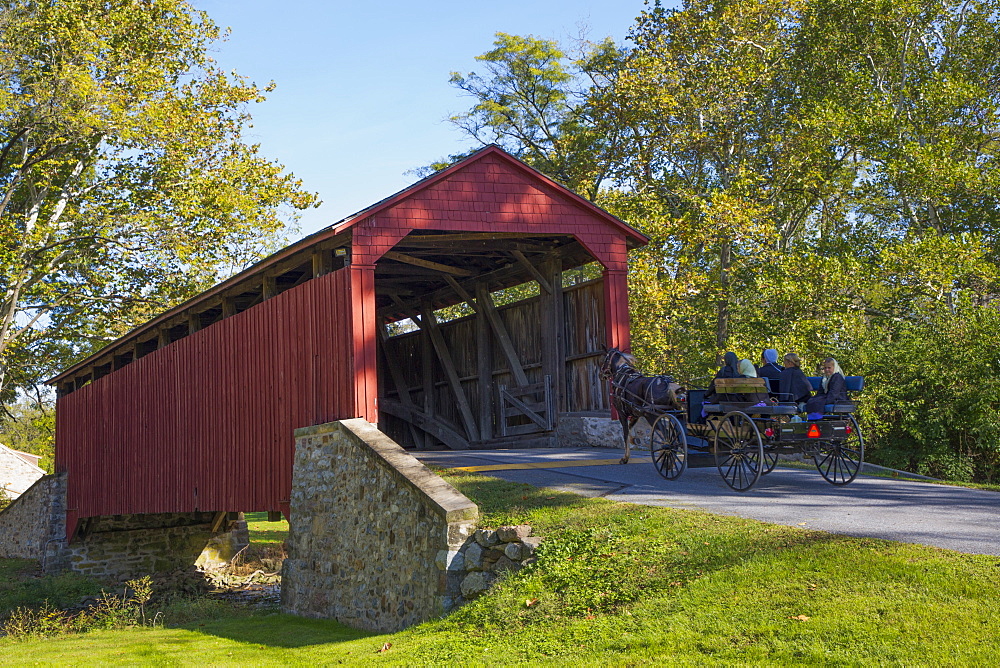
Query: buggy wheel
<point x="770" y="459"/>
<point x="739" y="452"/>
<point x="668" y="446"/>
<point x="839" y="461"/>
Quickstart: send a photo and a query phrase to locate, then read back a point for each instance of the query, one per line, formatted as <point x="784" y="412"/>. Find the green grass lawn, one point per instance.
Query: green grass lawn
<point x="264" y="532"/>
<point x="623" y="585"/>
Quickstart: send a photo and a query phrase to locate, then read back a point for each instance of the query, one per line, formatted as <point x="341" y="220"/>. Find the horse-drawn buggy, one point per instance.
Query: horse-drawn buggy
<point x="741" y="426"/>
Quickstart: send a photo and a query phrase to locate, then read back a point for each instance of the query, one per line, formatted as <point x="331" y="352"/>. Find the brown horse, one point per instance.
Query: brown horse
<point x="635" y="395"/>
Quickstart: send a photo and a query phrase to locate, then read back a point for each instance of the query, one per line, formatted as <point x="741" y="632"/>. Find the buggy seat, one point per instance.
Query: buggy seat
<point x="852" y="383"/>
<point x="749" y="395"/>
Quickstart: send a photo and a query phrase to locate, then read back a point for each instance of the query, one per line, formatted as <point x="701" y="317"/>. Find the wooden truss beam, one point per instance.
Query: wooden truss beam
<point x="427" y="264"/>
<point x="428" y="323"/>
<point x="428" y="423"/>
<point x="500" y="332"/>
<point x="537" y="275"/>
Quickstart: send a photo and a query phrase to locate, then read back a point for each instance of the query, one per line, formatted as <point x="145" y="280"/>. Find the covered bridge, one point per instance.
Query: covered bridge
<point x="195" y="410"/>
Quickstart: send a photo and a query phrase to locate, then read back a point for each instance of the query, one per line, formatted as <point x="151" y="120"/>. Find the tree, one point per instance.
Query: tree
<point x="29" y="425"/>
<point x="534" y="102"/>
<point x="125" y="184"/>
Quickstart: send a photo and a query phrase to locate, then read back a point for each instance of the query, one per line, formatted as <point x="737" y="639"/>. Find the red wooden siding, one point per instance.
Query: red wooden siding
<point x="491" y="194"/>
<point x="206" y="422"/>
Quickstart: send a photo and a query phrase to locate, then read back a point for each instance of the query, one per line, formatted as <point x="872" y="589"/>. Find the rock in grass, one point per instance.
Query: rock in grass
<point x="487" y="537"/>
<point x="509" y="534"/>
<point x="475" y="584"/>
<point x="474" y="558"/>
<point x="529" y="546"/>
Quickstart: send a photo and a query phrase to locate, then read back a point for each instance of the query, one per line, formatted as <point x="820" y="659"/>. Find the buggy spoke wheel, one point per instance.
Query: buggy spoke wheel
<point x="770" y="459"/>
<point x="739" y="452"/>
<point x="839" y="461"/>
<point x="668" y="446"/>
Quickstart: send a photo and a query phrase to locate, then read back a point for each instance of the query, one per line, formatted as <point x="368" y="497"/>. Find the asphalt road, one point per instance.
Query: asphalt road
<point x="954" y="518"/>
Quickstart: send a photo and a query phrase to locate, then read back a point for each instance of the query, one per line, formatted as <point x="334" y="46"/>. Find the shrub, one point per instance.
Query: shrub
<point x="932" y="396"/>
<point x="111" y="612"/>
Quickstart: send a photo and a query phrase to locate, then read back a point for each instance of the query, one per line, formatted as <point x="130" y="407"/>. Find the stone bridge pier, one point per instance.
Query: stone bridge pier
<point x="114" y="546"/>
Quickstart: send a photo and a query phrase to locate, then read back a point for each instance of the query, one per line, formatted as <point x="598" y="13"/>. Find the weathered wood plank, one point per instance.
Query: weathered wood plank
<point x="484" y="368"/>
<point x="270" y="287"/>
<point x="553" y="343"/>
<point x="395" y="367"/>
<point x="427" y="372"/>
<point x="461" y="292"/>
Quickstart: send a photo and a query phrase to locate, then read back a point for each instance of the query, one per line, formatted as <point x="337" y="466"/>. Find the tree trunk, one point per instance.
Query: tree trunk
<point x="722" y="310"/>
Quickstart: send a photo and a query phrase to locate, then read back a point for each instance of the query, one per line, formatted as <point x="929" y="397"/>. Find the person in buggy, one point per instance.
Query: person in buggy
<point x="834" y="390"/>
<point x="793" y="385"/>
<point x="730" y="369"/>
<point x="769" y="369"/>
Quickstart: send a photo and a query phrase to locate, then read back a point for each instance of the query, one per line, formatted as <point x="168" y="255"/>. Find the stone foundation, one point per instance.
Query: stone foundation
<point x="34" y="526"/>
<point x="492" y="554"/>
<point x="374" y="536"/>
<point x="116" y="546"/>
<point x="597" y="432"/>
<point x="127" y="546"/>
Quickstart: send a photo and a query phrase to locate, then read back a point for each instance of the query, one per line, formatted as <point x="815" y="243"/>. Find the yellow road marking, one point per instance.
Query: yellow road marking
<point x="547" y="465"/>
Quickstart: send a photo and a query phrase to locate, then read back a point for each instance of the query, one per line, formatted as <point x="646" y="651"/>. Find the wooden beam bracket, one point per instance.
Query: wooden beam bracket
<point x="537" y="275"/>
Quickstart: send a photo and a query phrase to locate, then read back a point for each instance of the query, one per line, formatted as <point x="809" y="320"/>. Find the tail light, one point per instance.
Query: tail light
<point x="849" y="428"/>
<point x="769" y="432"/>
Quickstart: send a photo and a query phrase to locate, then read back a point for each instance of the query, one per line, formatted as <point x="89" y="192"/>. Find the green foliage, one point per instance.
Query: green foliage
<point x="125" y="184"/>
<point x="531" y="102"/>
<point x="932" y="401"/>
<point x="264" y="532"/>
<point x="29" y="426"/>
<point x="21" y="586"/>
<point x="111" y="612"/>
<point x="710" y="590"/>
<point x="589" y="570"/>
<point x="817" y="176"/>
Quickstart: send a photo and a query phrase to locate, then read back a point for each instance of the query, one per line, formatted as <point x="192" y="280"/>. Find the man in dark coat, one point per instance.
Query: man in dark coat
<point x="769" y="369"/>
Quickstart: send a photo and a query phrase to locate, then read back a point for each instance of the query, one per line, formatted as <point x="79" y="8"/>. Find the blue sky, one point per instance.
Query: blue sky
<point x="362" y="87"/>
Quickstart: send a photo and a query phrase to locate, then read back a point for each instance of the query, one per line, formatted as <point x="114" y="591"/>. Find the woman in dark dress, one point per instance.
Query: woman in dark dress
<point x="793" y="384"/>
<point x="729" y="369"/>
<point x="834" y="389"/>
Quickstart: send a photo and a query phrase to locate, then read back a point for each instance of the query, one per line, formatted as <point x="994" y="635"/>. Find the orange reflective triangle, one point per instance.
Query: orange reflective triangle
<point x="813" y="431"/>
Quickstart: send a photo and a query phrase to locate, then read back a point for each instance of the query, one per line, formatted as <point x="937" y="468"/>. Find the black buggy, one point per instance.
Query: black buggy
<point x="744" y="429"/>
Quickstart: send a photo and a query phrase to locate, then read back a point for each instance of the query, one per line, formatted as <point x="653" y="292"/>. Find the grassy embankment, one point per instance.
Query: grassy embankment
<point x="625" y="585"/>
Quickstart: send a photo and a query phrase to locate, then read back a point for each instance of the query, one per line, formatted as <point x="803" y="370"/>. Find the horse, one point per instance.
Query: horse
<point x="635" y="395"/>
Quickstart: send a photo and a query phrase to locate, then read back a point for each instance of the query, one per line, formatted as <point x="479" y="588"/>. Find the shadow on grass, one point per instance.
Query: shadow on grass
<point x="277" y="630"/>
<point x="496" y="496"/>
